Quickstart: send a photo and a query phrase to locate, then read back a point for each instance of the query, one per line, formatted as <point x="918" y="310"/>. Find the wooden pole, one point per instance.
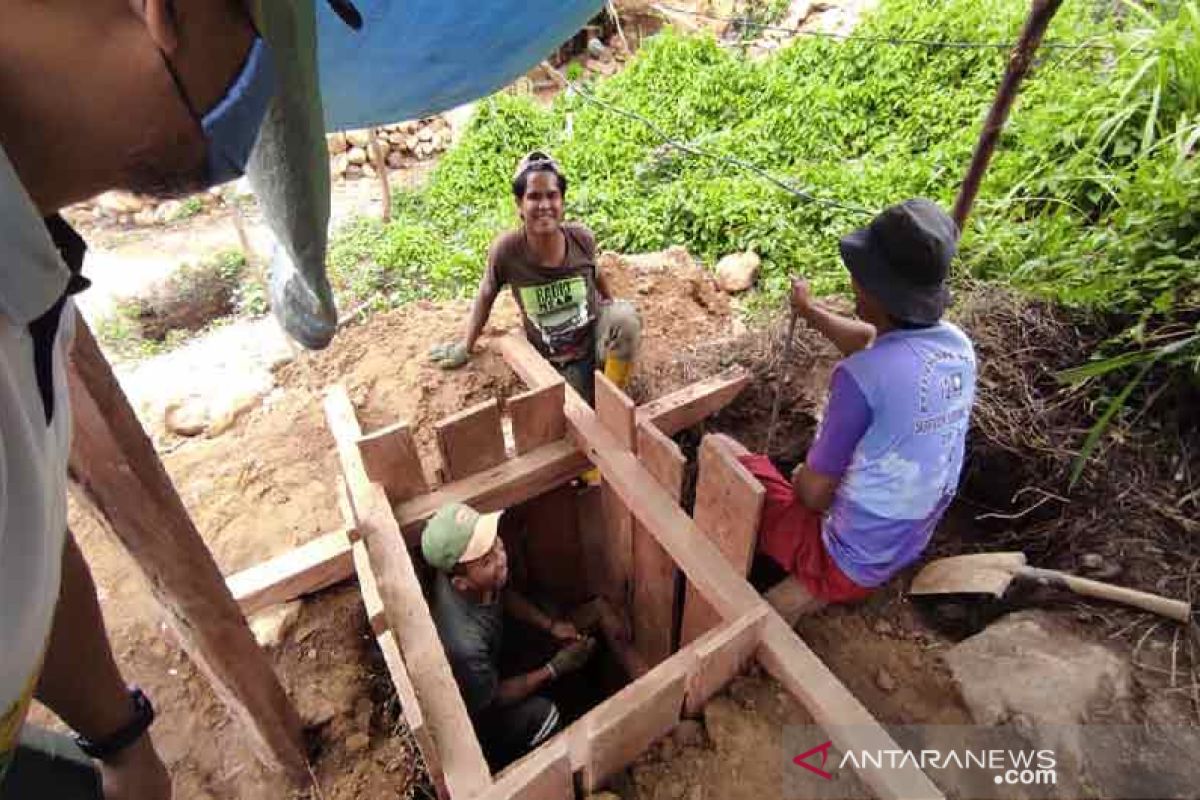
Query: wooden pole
<point x="114" y="464"/>
<point x="381" y="171"/>
<point x="1040" y="14"/>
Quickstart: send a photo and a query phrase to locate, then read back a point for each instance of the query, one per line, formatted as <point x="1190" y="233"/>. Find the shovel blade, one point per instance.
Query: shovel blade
<point x="976" y="574"/>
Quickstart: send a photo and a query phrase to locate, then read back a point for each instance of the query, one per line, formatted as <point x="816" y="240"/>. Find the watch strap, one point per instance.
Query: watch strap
<point x="106" y="748"/>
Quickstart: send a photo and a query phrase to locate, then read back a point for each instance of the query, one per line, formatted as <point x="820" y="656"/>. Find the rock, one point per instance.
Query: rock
<point x="120" y="202"/>
<point x="357" y="742"/>
<point x="597" y="49"/>
<point x="272" y="625"/>
<point x="337" y="143"/>
<point x="395" y="160"/>
<point x="358" y="138"/>
<point x="232" y="409"/>
<point x="737" y="272"/>
<point x="353" y="171"/>
<point x="672" y="788"/>
<point x="167" y="211"/>
<point x="144" y="217"/>
<point x="606" y="67"/>
<point x="339" y="163"/>
<point x="1098" y="567"/>
<point x="396" y="138"/>
<point x="885" y="681"/>
<point x="188" y="417"/>
<point x="689" y="733"/>
<point x="721" y="722"/>
<point x="411" y="143"/>
<point x="369" y="170"/>
<point x="356" y="155"/>
<point x="884" y="628"/>
<point x="1029" y="671"/>
<point x="697" y="793"/>
<point x="743" y="691"/>
<point x="425" y="134"/>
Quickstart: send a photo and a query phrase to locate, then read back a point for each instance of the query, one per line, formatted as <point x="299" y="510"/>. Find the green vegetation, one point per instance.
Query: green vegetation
<point x="189" y="301"/>
<point x="1093" y="198"/>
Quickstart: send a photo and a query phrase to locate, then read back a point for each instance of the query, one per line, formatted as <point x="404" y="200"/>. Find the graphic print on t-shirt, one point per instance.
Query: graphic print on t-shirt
<point x="559" y="310"/>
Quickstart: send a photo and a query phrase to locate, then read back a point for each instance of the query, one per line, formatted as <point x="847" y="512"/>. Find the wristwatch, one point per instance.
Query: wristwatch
<point x="143" y="715"/>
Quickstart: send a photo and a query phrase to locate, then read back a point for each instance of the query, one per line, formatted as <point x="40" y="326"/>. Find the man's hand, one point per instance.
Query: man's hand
<point x="572" y="657"/>
<point x="449" y="356"/>
<point x="801" y="296"/>
<point x="136" y="773"/>
<point x="564" y="631"/>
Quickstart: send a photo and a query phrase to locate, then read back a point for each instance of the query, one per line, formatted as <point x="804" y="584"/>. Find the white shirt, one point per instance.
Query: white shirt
<point x="33" y="454"/>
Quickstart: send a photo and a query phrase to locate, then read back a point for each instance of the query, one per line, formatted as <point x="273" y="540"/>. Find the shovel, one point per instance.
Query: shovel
<point x="986" y="577"/>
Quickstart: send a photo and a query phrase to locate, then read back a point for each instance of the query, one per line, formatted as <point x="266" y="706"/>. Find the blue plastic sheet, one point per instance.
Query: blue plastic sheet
<point x="413" y="58"/>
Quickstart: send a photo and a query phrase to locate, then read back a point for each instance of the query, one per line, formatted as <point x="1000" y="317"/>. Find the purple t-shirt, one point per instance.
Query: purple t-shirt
<point x="894" y="432"/>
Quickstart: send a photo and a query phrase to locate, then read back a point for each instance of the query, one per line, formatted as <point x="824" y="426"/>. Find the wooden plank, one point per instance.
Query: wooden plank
<point x="846" y="721"/>
<point x="552" y="547"/>
<point x="116" y="469"/>
<point x="622" y="727"/>
<point x="508" y="484"/>
<point x="616" y="548"/>
<point x="369" y="589"/>
<point x="693" y="403"/>
<point x="616" y="411"/>
<point x="406" y="693"/>
<point x="454" y="744"/>
<point x="654" y="573"/>
<point x="537" y="417"/>
<point x="390" y="458"/>
<point x="471" y="440"/>
<point x="312" y="566"/>
<point x="544" y="774"/>
<point x="722" y="655"/>
<point x="728" y="505"/>
<point x="698" y="557"/>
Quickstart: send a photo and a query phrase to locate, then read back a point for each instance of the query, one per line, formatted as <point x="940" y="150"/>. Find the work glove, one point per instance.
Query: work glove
<point x="572" y="657"/>
<point x="449" y="356"/>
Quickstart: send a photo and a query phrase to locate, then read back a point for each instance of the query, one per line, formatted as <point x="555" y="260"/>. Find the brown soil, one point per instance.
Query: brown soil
<point x="266" y="485"/>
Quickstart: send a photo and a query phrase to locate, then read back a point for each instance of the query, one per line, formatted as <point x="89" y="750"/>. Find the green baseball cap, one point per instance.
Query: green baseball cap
<point x="458" y="533"/>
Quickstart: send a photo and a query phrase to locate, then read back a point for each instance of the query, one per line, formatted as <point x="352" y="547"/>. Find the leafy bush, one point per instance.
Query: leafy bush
<point x="1092" y="198"/>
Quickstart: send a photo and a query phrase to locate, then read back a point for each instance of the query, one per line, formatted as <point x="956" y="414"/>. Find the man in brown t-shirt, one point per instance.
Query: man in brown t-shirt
<point x="567" y="306"/>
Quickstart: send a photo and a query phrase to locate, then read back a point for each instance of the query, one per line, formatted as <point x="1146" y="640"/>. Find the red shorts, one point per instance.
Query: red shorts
<point x="790" y="533"/>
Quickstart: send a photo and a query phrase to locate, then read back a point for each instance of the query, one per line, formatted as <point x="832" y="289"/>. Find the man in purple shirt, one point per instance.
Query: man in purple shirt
<point x="886" y="460"/>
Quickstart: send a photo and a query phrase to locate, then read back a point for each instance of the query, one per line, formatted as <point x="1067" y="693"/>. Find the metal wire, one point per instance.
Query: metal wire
<point x="696" y="151"/>
<point x="854" y="37"/>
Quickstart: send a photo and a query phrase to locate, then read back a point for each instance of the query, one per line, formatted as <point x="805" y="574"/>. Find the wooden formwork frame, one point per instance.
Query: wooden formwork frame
<point x="557" y="437"/>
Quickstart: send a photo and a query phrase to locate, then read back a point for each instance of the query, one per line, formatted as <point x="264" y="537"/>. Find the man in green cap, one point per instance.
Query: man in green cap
<point x="469" y="604"/>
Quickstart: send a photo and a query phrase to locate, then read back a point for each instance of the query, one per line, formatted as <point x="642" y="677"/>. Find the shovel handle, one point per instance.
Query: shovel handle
<point x="1164" y="607"/>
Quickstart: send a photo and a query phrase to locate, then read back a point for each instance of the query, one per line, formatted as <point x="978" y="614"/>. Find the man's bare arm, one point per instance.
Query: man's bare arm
<point x="813" y="489"/>
<point x="847" y="335"/>
<point x="481" y="309"/>
<point x="81" y="683"/>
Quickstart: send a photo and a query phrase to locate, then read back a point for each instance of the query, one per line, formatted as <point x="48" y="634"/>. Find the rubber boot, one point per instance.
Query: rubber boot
<point x="617" y="371"/>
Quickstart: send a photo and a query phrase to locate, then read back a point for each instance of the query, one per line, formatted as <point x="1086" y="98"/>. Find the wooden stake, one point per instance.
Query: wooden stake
<point x="114" y="464"/>
<point x="407" y="613"/>
<point x="1040" y="14"/>
<point x="654" y="573"/>
<point x="381" y="170"/>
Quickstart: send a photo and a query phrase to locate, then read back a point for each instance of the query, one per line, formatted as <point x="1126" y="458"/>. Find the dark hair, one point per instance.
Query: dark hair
<point x="909" y="325"/>
<point x="522" y="180"/>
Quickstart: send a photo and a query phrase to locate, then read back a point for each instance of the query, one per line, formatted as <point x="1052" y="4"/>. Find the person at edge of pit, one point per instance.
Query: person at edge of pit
<point x="567" y="305"/>
<point x="172" y="94"/>
<point x="887" y="456"/>
<point x="504" y="650"/>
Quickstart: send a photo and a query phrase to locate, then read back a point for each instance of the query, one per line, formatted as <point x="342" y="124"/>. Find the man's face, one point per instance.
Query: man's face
<point x="489" y="572"/>
<point x="542" y="206"/>
<point x="87" y="102"/>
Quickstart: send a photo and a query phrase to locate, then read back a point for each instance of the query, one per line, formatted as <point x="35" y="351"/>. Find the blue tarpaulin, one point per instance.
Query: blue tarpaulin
<point x="413" y="58"/>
